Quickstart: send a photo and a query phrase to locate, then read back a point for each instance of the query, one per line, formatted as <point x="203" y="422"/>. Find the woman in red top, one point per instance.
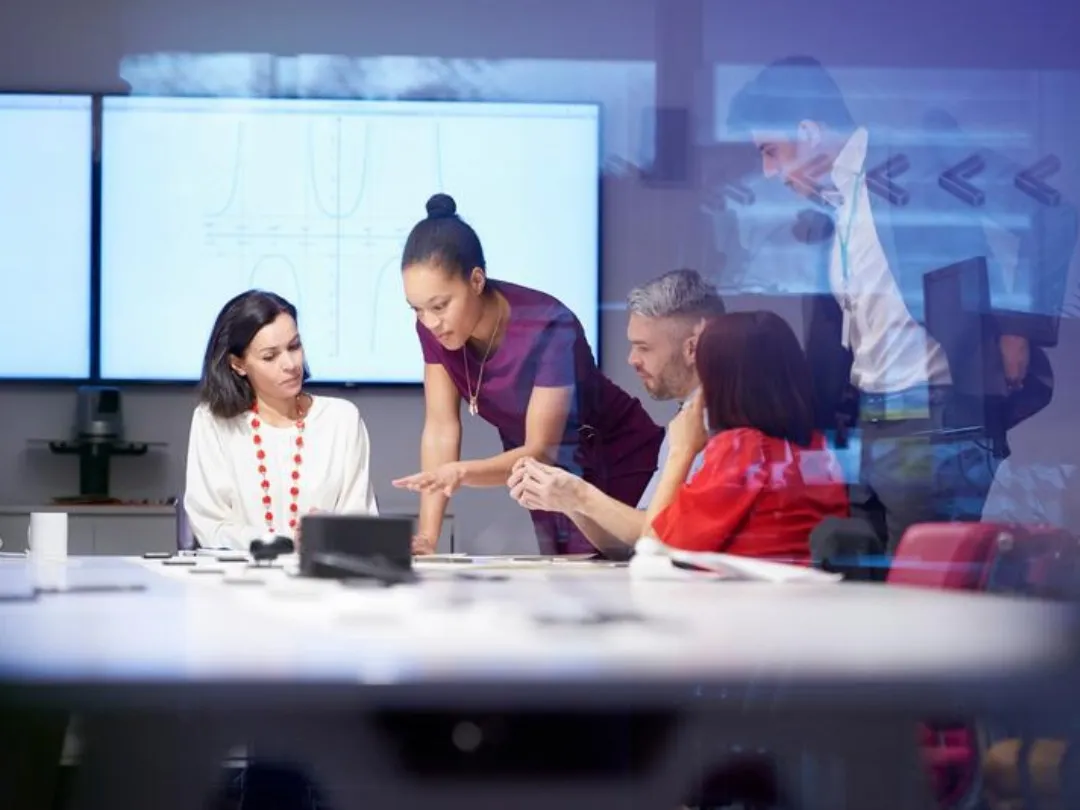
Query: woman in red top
<point x="767" y="478"/>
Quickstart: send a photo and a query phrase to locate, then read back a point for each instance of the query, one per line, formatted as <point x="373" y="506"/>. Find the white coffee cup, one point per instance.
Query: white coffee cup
<point x="47" y="537"/>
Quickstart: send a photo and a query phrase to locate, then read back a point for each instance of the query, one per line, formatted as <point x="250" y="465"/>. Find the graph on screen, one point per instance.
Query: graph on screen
<point x="45" y="215"/>
<point x="349" y="215"/>
<point x="204" y="198"/>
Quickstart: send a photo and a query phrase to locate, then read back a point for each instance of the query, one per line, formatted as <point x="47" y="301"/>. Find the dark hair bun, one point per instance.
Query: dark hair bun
<point x="441" y="206"/>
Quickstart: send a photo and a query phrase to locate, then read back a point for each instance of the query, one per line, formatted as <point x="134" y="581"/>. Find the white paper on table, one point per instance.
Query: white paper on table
<point x="654" y="560"/>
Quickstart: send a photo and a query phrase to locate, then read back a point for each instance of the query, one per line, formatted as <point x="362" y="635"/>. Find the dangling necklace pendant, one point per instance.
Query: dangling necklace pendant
<point x="474" y="407"/>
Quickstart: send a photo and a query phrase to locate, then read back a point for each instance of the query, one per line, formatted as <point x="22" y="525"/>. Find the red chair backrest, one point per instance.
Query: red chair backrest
<point x="1041" y="561"/>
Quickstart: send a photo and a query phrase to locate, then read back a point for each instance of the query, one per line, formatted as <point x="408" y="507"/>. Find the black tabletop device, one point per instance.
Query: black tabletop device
<point x="330" y="542"/>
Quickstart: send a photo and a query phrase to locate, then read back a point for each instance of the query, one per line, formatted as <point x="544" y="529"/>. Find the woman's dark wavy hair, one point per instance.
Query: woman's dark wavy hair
<point x="225" y="392"/>
<point x="754" y="374"/>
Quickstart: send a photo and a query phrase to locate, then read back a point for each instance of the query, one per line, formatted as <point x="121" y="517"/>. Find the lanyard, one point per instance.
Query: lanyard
<point x="845" y="267"/>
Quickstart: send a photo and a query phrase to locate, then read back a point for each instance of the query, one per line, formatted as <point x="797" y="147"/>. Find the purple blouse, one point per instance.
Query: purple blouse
<point x="608" y="433"/>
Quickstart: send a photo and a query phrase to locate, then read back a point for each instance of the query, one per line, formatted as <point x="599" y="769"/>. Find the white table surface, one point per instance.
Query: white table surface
<point x="324" y="673"/>
<point x="191" y="628"/>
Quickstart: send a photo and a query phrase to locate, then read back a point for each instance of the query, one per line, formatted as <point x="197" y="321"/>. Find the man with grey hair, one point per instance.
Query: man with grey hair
<point x="667" y="315"/>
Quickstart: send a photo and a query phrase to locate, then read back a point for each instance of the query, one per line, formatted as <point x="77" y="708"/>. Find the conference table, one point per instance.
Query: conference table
<point x="512" y="682"/>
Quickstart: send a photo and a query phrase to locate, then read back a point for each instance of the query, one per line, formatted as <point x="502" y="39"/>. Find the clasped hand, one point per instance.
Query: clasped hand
<point x="539" y="486"/>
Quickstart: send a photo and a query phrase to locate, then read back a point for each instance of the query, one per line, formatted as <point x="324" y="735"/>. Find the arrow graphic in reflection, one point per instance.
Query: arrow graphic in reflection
<point x="880" y="180"/>
<point x="1030" y="181"/>
<point x="737" y="192"/>
<point x="955" y="180"/>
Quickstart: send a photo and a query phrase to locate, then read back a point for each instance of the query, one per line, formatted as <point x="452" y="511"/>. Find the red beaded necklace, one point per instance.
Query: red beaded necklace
<point x="298" y="459"/>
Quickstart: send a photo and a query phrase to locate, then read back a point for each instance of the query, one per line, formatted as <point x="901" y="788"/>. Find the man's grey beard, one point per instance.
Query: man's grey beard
<point x="665" y="392"/>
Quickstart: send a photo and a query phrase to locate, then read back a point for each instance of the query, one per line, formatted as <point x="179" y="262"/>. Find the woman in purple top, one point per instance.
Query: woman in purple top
<point x="520" y="361"/>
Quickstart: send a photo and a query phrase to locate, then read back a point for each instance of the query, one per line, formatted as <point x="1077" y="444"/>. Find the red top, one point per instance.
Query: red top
<point x="755" y="496"/>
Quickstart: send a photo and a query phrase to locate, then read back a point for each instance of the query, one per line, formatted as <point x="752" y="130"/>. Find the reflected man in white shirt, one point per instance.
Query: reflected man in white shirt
<point x="932" y="426"/>
<point x="667" y="315"/>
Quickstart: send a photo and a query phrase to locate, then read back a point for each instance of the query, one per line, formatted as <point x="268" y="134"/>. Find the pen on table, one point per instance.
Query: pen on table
<point x="32" y="594"/>
<point x="132" y="588"/>
<point x="24" y="596"/>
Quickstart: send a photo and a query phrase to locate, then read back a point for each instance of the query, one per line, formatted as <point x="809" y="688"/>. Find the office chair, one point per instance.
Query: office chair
<point x="185" y="537"/>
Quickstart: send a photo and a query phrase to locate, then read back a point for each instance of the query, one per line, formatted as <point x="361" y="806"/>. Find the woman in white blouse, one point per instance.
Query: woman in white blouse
<point x="263" y="452"/>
